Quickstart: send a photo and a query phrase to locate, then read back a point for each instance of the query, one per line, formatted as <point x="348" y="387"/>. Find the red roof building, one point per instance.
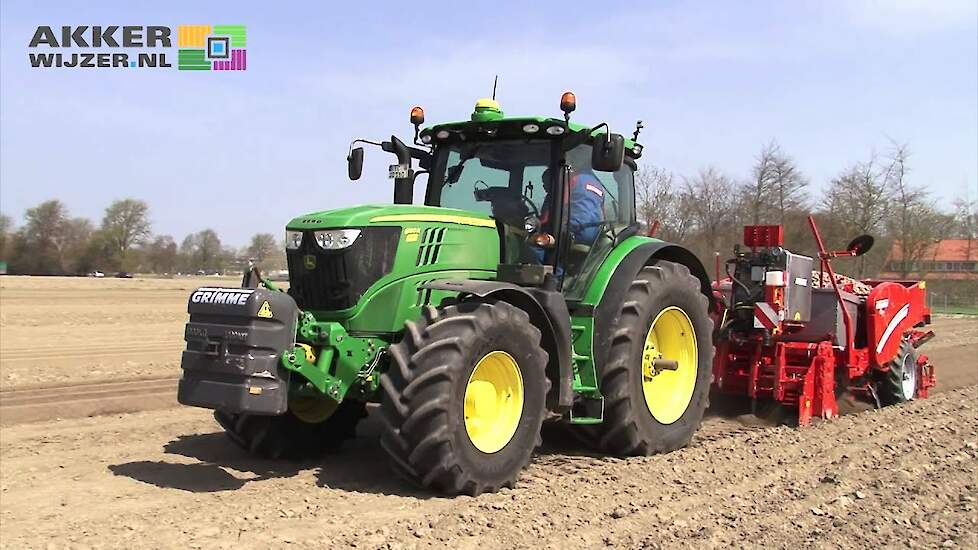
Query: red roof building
<point x="954" y="259"/>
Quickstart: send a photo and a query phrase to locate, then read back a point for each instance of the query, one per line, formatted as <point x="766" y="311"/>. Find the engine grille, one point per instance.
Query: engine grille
<point x="431" y="242"/>
<point x="336" y="279"/>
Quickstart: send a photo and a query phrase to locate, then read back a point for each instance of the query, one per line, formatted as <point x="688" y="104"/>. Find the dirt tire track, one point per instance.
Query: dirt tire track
<point x="954" y="353"/>
<point x="76" y="400"/>
<point x="91" y="350"/>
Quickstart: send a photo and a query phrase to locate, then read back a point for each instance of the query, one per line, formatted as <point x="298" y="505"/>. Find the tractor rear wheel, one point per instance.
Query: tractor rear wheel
<point x="305" y="432"/>
<point x="656" y="380"/>
<point x="464" y="397"/>
<point x="899" y="384"/>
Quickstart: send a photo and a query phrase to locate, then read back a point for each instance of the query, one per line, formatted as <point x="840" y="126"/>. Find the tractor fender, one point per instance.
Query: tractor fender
<point x="607" y="291"/>
<point x="548" y="312"/>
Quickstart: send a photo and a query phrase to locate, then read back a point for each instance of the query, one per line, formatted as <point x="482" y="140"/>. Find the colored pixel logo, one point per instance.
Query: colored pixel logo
<point x="212" y="48"/>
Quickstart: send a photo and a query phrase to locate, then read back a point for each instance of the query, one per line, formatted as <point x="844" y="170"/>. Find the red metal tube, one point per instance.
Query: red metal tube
<point x="826" y="265"/>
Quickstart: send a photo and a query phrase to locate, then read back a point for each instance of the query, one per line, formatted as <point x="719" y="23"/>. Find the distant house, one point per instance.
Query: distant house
<point x="950" y="259"/>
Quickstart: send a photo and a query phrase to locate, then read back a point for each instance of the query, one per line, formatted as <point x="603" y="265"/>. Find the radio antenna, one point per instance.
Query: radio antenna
<point x="494" y="81"/>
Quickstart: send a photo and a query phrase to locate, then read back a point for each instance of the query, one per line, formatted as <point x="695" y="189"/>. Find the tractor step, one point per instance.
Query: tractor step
<point x="587" y="410"/>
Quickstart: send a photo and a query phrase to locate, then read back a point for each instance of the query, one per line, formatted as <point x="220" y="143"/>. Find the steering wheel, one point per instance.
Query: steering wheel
<point x="480" y="194"/>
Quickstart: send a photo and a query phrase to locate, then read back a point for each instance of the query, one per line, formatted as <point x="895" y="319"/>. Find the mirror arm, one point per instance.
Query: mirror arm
<point x="403" y="153"/>
<point x="599" y="126"/>
<point x="606" y="138"/>
<point x="403" y="187"/>
<point x="367" y="141"/>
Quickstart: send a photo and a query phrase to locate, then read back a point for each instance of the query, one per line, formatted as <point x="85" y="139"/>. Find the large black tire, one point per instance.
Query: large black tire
<point x="286" y="436"/>
<point x="899" y="384"/>
<point x="629" y="428"/>
<point x="423" y="394"/>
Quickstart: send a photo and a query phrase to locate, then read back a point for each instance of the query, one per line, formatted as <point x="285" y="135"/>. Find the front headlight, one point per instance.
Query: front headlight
<point x="335" y="239"/>
<point x="293" y="239"/>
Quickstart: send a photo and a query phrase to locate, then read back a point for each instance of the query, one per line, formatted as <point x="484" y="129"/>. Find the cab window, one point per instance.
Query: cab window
<point x="472" y="177"/>
<point x="500" y="178"/>
<point x="616" y="189"/>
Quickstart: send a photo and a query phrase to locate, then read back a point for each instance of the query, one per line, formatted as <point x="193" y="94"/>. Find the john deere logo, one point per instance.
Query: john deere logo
<point x="309" y="261"/>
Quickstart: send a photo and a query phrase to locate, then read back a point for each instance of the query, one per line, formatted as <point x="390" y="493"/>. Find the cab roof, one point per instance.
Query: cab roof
<point x="489" y="121"/>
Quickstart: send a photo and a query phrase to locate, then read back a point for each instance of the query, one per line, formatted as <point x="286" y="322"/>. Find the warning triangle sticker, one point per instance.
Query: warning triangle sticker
<point x="265" y="310"/>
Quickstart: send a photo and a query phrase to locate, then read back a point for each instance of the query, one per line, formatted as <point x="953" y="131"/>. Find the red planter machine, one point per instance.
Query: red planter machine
<point x="800" y="336"/>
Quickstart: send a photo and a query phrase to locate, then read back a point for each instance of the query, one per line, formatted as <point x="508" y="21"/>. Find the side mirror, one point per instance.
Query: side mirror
<point x="860" y="245"/>
<point x="608" y="153"/>
<point x="354" y="163"/>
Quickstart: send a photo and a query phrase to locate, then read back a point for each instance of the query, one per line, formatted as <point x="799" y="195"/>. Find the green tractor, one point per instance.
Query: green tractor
<point x="522" y="290"/>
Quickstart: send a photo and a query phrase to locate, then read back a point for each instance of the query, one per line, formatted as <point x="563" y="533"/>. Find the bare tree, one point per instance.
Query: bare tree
<point x="707" y="197"/>
<point x="209" y="252"/>
<point x="756" y="194"/>
<point x="966" y="222"/>
<point x="203" y="251"/>
<point x="859" y="198"/>
<point x="162" y="255"/>
<point x="966" y="218"/>
<point x="856" y="202"/>
<point x="915" y="223"/>
<point x="125" y="224"/>
<point x="41" y="239"/>
<point x="776" y="188"/>
<point x="74" y="245"/>
<point x="262" y="249"/>
<point x="6" y="225"/>
<point x="790" y="185"/>
<point x="659" y="201"/>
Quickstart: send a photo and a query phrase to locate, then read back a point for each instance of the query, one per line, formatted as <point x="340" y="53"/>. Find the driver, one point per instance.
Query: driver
<point x="586" y="203"/>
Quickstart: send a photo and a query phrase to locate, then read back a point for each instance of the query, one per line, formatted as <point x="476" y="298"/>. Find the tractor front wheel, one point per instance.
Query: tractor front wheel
<point x="304" y="431"/>
<point x="464" y="397"/>
<point x="656" y="379"/>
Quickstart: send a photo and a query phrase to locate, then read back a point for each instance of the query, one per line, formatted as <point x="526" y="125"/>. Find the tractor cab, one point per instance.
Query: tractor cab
<point x="562" y="194"/>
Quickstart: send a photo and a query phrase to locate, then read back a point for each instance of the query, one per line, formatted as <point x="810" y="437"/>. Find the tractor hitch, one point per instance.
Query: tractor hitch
<point x="330" y="359"/>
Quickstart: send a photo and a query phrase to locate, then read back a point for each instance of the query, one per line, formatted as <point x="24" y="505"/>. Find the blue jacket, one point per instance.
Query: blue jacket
<point x="586" y="207"/>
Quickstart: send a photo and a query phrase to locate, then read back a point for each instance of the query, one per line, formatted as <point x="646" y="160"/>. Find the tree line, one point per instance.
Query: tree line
<point x="706" y="211"/>
<point x="52" y="242"/>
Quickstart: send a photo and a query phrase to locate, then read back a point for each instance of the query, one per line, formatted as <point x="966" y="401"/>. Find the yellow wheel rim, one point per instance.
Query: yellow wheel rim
<point x="312" y="410"/>
<point x="669" y="365"/>
<point x="493" y="401"/>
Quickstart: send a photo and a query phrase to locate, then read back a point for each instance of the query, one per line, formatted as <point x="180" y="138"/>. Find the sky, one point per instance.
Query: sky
<point x="243" y="152"/>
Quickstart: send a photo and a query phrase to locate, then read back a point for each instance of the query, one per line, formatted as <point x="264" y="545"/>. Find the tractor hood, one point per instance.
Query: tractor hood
<point x="376" y="282"/>
<point x="387" y="214"/>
